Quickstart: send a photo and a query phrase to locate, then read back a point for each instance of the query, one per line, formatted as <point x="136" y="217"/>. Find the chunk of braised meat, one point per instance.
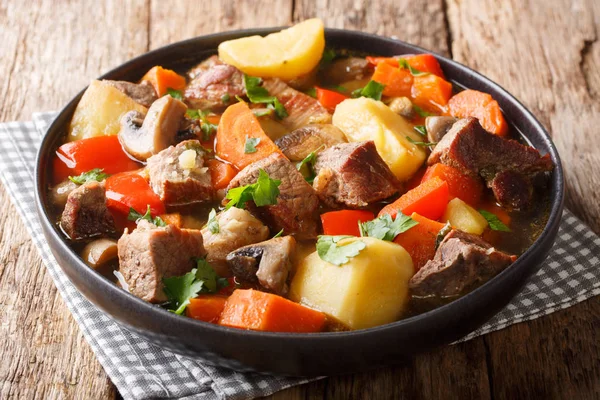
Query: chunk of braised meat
<point x="301" y="108"/>
<point x="268" y="263"/>
<point x="297" y="203"/>
<point x="181" y="179"/>
<point x="353" y="175"/>
<point x="236" y="228"/>
<point x="346" y="69"/>
<point x="476" y="152"/>
<point x="214" y="85"/>
<point x="299" y="143"/>
<point x="142" y="93"/>
<point x="85" y="214"/>
<point x="151" y="253"/>
<point x="461" y="263"/>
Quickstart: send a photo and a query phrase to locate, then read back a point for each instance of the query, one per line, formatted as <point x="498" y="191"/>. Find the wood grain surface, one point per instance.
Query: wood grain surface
<point x="546" y="53"/>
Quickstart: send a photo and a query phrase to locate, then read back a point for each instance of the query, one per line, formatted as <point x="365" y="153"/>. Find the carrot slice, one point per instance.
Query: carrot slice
<point x="426" y="63"/>
<point x="472" y="103"/>
<point x="460" y="185"/>
<point x="429" y="199"/>
<point x="252" y="309"/>
<point x="397" y="81"/>
<point x="419" y="241"/>
<point x="393" y="61"/>
<point x="162" y="79"/>
<point x="431" y="90"/>
<point x="172" y="219"/>
<point x="344" y="222"/>
<point x="206" y="308"/>
<point x="221" y="173"/>
<point x="329" y="98"/>
<point x="238" y="123"/>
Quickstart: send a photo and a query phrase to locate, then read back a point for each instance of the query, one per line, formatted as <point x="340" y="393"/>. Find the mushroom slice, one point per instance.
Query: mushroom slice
<point x="267" y="262"/>
<point x="402" y="106"/>
<point x="99" y="252"/>
<point x="437" y="127"/>
<point x="301" y="142"/>
<point x="60" y="193"/>
<point x="157" y="131"/>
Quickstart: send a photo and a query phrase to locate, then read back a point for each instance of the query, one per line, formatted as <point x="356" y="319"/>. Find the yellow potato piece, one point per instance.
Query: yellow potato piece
<point x="286" y="54"/>
<point x="464" y="217"/>
<point x="370" y="290"/>
<point x="365" y="119"/>
<point x="99" y="111"/>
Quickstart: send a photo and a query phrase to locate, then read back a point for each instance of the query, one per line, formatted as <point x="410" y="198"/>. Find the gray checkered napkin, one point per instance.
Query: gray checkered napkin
<point x="141" y="370"/>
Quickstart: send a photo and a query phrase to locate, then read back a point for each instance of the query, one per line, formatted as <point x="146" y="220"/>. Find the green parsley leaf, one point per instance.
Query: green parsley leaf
<point x="136" y="216"/>
<point x="264" y="192"/>
<point x="208" y="128"/>
<point x="225" y="98"/>
<point x="328" y="249"/>
<point x="239" y="99"/>
<point x="206" y="274"/>
<point x="180" y="289"/>
<point x="261" y="112"/>
<point x="306" y="166"/>
<point x="494" y="221"/>
<point x="385" y="228"/>
<point x="312" y="92"/>
<point x="403" y="63"/>
<point x="372" y="90"/>
<point x="213" y="224"/>
<point x="328" y="56"/>
<point x="421" y="112"/>
<point x="423" y="144"/>
<point x="176" y="94"/>
<point x="250" y="145"/>
<point x="279" y="234"/>
<point x="258" y="94"/>
<point x="442" y="234"/>
<point x="95" y="174"/>
<point x="421" y="129"/>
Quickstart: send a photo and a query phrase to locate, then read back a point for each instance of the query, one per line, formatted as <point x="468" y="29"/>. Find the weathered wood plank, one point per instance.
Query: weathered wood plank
<point x="50" y="51"/>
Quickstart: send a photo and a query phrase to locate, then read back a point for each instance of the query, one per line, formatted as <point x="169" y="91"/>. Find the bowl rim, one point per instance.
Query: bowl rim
<point x="102" y="283"/>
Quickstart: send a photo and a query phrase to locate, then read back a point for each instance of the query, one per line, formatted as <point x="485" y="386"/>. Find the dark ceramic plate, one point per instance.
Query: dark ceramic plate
<point x="303" y="354"/>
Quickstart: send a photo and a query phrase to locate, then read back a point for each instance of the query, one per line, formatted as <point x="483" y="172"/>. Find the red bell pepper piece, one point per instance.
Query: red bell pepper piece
<point x="344" y="222"/>
<point x="130" y="190"/>
<point x="329" y="98"/>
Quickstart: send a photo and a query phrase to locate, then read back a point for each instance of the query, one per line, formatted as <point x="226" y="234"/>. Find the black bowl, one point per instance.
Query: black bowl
<point x="303" y="354"/>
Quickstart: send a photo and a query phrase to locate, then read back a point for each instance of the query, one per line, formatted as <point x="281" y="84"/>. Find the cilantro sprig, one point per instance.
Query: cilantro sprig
<point x="136" y="216"/>
<point x="421" y="112"/>
<point x="264" y="192"/>
<point x="372" y="90"/>
<point x="422" y="144"/>
<point x="213" y="224"/>
<point x="494" y="222"/>
<point x="258" y="94"/>
<point x="250" y="145"/>
<point x="306" y="166"/>
<point x="176" y="94"/>
<point x="385" y="228"/>
<point x="403" y="63"/>
<point x="95" y="174"/>
<point x="329" y="250"/>
<point x="208" y="128"/>
<point x="421" y="129"/>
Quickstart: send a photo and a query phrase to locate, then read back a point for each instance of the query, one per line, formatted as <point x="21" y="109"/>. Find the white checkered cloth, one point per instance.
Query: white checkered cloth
<point x="141" y="370"/>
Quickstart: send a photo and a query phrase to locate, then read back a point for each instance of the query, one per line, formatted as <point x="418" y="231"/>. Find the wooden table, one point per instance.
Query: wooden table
<point x="546" y="52"/>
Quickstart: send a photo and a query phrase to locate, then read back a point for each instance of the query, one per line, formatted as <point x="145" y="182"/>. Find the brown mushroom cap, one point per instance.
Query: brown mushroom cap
<point x="302" y="141"/>
<point x="437" y="127"/>
<point x="157" y="131"/>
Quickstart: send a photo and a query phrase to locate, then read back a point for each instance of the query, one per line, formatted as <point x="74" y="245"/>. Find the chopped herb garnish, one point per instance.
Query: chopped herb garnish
<point x="207" y="128"/>
<point x="309" y="162"/>
<point x="328" y="56"/>
<point x="238" y="98"/>
<point x="385" y="228"/>
<point x="279" y="234"/>
<point x="176" y="94"/>
<point x="372" y="90"/>
<point x="403" y="63"/>
<point x="442" y="234"/>
<point x="421" y="112"/>
<point x="421" y="129"/>
<point x="213" y="224"/>
<point x="422" y="144"/>
<point x="225" y="98"/>
<point x="250" y="145"/>
<point x="329" y="250"/>
<point x="136" y="216"/>
<point x="264" y="192"/>
<point x="338" y="88"/>
<point x="95" y="174"/>
<point x="258" y="94"/>
<point x="261" y="112"/>
<point x="494" y="221"/>
<point x="312" y="92"/>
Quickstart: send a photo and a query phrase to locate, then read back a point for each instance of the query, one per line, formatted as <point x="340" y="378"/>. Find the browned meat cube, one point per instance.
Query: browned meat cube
<point x="268" y="263"/>
<point x="149" y="254"/>
<point x="180" y="179"/>
<point x="476" y="152"/>
<point x="142" y="92"/>
<point x="296" y="208"/>
<point x="353" y="175"/>
<point x="461" y="263"/>
<point x="211" y="80"/>
<point x="85" y="214"/>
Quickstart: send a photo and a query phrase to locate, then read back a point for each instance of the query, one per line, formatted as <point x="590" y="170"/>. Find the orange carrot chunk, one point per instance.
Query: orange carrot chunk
<point x="393" y="61"/>
<point x="206" y="308"/>
<point x="426" y="63"/>
<point x="429" y="199"/>
<point x="172" y="219"/>
<point x="460" y="185"/>
<point x="260" y="311"/>
<point x="162" y="79"/>
<point x="221" y="173"/>
<point x="397" y="81"/>
<point x="431" y="91"/>
<point x="238" y="124"/>
<point x="472" y="103"/>
<point x="419" y="241"/>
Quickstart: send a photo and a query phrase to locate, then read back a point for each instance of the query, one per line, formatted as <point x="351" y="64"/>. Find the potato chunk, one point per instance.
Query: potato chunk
<point x="99" y="111"/>
<point x="367" y="119"/>
<point x="464" y="217"/>
<point x="370" y="290"/>
<point x="287" y="54"/>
